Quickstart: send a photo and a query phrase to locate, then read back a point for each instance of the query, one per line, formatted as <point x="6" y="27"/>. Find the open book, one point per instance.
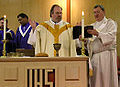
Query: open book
<point x="77" y="30"/>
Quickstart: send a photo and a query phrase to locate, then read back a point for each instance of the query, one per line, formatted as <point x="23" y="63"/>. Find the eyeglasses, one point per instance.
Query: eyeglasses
<point x="97" y="12"/>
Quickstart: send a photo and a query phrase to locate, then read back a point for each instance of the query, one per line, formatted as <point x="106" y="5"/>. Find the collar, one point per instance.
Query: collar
<point x="102" y="21"/>
<point x="59" y="23"/>
<point x="24" y="33"/>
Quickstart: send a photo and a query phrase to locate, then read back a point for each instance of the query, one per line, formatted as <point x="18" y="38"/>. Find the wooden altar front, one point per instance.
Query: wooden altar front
<point x="44" y="72"/>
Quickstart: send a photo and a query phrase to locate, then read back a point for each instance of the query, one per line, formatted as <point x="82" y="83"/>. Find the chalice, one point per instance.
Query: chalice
<point x="57" y="47"/>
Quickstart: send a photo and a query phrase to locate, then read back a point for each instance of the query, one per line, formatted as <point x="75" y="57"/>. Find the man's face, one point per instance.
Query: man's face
<point x="2" y="24"/>
<point x="22" y="21"/>
<point x="57" y="14"/>
<point x="99" y="14"/>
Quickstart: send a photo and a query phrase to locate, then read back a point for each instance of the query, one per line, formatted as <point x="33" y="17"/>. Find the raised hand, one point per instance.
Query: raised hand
<point x="33" y="24"/>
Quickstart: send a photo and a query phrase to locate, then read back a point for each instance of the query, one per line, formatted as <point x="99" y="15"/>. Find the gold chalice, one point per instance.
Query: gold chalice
<point x="57" y="47"/>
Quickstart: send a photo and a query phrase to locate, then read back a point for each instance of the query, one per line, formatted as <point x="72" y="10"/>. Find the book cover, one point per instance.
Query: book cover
<point x="77" y="30"/>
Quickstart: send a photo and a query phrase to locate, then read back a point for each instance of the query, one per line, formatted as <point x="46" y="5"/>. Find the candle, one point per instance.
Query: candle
<point x="82" y="24"/>
<point x="4" y="27"/>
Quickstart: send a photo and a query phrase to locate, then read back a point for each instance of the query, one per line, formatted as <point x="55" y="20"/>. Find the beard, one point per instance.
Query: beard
<point x="59" y="18"/>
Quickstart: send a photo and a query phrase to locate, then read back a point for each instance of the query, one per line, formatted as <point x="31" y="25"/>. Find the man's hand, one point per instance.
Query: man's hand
<point x="33" y="24"/>
<point x="82" y="39"/>
<point x="93" y="32"/>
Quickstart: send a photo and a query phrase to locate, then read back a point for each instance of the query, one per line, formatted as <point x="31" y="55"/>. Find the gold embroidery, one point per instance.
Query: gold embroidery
<point x="56" y="31"/>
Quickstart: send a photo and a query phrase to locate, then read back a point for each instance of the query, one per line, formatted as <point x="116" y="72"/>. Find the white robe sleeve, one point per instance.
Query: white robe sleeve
<point x="109" y="36"/>
<point x="32" y="38"/>
<point x="38" y="40"/>
<point x="73" y="52"/>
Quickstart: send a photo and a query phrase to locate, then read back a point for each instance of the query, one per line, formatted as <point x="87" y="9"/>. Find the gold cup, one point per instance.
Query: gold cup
<point x="57" y="47"/>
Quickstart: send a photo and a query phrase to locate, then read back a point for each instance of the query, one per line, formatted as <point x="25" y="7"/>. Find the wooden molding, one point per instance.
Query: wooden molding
<point x="69" y="11"/>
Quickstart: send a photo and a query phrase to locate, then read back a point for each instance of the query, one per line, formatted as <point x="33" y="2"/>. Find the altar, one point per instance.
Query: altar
<point x="44" y="72"/>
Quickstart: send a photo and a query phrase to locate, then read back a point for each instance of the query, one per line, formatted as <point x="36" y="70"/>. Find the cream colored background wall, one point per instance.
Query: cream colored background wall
<point x="38" y="10"/>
